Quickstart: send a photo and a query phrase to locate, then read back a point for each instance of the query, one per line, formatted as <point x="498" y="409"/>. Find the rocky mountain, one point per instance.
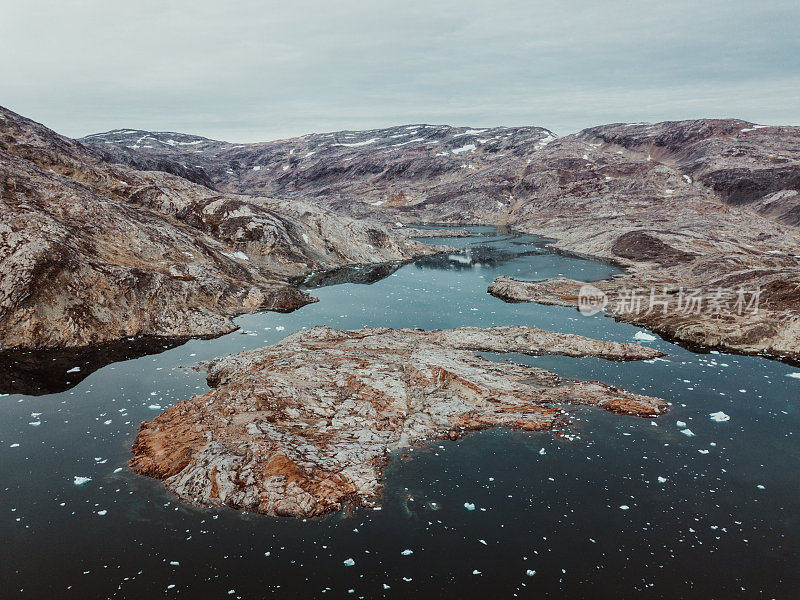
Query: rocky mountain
<point x="699" y="204"/>
<point x="427" y="172"/>
<point x="92" y="252"/>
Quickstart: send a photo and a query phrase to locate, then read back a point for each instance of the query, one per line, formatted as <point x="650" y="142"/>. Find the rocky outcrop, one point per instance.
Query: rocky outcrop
<point x="92" y="252"/>
<point x="759" y="317"/>
<point x="305" y="427"/>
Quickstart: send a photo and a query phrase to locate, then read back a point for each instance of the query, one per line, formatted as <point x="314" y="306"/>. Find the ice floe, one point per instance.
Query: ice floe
<point x="719" y="417"/>
<point x="644" y="337"/>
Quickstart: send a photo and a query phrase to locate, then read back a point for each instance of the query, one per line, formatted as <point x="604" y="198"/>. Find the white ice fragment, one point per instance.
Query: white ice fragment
<point x="687" y="432"/>
<point x="624" y="507"/>
<point x="530" y="572"/>
<point x="81" y="480"/>
<point x="469" y="506"/>
<point x="542" y="452"/>
<point x="793" y="375"/>
<point x="680" y="423"/>
<point x="644" y="337"/>
<point x="661" y="479"/>
<point x="407" y="552"/>
<point x="719" y="417"/>
<point x="280" y="328"/>
<point x="74" y="370"/>
<point x="102" y="513"/>
<point x="349" y="562"/>
<point x="257" y="168"/>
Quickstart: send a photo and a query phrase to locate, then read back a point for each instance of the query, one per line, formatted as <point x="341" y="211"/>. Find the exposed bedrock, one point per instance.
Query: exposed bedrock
<point x="305" y="426"/>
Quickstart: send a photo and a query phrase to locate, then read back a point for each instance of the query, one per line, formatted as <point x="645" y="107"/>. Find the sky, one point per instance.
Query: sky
<point x="247" y="71"/>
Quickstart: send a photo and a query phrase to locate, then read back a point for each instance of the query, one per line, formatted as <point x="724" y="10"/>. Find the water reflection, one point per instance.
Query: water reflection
<point x="38" y="372"/>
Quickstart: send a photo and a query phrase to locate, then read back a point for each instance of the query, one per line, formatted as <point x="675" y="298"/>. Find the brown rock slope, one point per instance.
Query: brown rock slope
<point x="700" y="209"/>
<point x="303" y="427"/>
<point x="92" y="252"/>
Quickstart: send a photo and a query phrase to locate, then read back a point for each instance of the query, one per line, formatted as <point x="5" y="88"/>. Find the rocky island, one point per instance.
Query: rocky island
<point x="305" y="427"/>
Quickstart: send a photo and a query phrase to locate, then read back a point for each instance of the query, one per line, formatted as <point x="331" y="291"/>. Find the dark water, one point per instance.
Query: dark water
<point x="723" y="523"/>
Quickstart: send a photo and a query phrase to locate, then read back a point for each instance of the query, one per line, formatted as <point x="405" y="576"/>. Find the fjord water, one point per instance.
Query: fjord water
<point x="624" y="507"/>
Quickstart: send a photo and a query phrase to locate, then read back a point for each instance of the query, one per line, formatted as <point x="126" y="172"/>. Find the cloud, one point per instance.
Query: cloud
<point x="248" y="71"/>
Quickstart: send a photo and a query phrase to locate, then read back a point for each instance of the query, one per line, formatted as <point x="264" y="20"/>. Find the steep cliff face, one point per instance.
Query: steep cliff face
<point x="92" y="252"/>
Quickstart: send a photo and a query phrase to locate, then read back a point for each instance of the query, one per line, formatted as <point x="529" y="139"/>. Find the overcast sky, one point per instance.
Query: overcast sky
<point x="251" y="71"/>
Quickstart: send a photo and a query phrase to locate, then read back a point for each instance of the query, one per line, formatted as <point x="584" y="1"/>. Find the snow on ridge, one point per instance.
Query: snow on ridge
<point x="177" y="143"/>
<point x="466" y="148"/>
<point x="408" y="142"/>
<point x="471" y="132"/>
<point x="354" y="144"/>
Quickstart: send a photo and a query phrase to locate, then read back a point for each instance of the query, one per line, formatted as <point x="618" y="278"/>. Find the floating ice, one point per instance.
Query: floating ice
<point x="542" y="451"/>
<point x="530" y="572"/>
<point x="793" y="375"/>
<point x="81" y="480"/>
<point x="687" y="432"/>
<point x="662" y="479"/>
<point x="154" y="407"/>
<point x="719" y="417"/>
<point x="644" y="337"/>
<point x="102" y="513"/>
<point x="624" y="507"/>
<point x="74" y="370"/>
<point x="680" y="423"/>
<point x="406" y="552"/>
<point x="349" y="562"/>
<point x="469" y="506"/>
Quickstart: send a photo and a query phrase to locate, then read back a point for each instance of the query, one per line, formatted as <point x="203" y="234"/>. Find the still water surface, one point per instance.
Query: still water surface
<point x="713" y="515"/>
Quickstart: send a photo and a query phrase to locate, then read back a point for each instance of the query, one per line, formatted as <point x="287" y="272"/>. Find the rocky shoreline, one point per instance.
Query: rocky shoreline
<point x="704" y="204"/>
<point x="93" y="252"/>
<point x="305" y="427"/>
